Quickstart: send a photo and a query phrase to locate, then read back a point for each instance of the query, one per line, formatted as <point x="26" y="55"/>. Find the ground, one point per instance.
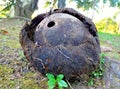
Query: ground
<point x="17" y="73"/>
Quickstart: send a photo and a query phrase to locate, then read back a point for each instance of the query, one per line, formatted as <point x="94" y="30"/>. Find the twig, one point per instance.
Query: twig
<point x="69" y="84"/>
<point x="44" y="79"/>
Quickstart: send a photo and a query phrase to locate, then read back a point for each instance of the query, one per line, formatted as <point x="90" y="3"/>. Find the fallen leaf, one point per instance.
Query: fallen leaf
<point x="3" y="32"/>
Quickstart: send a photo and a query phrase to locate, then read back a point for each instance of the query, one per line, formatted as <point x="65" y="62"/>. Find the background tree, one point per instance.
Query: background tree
<point x="25" y="8"/>
<point x="87" y="4"/>
<point x="20" y="8"/>
<point x="61" y="3"/>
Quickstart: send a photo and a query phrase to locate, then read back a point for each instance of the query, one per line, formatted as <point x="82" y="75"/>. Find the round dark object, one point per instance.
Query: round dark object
<point x="61" y="42"/>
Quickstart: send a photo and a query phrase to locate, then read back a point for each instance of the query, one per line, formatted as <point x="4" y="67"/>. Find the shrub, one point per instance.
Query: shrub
<point x="107" y="25"/>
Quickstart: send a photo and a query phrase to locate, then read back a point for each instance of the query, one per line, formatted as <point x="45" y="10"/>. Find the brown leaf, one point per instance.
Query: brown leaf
<point x="3" y="32"/>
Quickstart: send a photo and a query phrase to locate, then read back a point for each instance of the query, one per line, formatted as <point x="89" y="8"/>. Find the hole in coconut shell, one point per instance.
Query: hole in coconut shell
<point x="51" y="24"/>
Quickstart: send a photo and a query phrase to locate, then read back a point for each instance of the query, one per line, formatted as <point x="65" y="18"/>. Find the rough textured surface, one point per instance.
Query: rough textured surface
<point x="112" y="74"/>
<point x="62" y="41"/>
<point x="111" y="78"/>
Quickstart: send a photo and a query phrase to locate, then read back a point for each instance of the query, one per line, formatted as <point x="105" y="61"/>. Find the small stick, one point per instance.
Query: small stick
<point x="69" y="84"/>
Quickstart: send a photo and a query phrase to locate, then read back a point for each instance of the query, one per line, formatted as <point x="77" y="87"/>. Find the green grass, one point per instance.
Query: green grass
<point x="110" y="40"/>
<point x="113" y="38"/>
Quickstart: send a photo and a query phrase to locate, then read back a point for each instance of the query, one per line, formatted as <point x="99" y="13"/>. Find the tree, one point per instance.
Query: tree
<point x="61" y="3"/>
<point x="20" y="8"/>
<point x="25" y="8"/>
<point x="87" y="4"/>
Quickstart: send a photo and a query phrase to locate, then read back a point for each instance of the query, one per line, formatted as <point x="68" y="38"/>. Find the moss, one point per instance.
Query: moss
<point x="7" y="84"/>
<point x="28" y="81"/>
<point x="29" y="84"/>
<point x="5" y="81"/>
<point x="29" y="75"/>
<point x="5" y="71"/>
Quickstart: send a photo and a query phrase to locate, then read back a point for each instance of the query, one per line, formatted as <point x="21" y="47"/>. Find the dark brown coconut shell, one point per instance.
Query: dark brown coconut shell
<point x="61" y="42"/>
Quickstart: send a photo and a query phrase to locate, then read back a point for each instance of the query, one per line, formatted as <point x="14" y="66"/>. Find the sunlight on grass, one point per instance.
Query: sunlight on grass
<point x="113" y="55"/>
<point x="110" y="40"/>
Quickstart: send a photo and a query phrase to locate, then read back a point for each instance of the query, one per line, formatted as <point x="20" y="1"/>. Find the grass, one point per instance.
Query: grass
<point x="113" y="41"/>
<point x="15" y="72"/>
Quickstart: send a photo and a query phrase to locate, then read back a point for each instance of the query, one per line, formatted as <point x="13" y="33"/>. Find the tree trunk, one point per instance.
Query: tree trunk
<point x="23" y="8"/>
<point x="61" y="3"/>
